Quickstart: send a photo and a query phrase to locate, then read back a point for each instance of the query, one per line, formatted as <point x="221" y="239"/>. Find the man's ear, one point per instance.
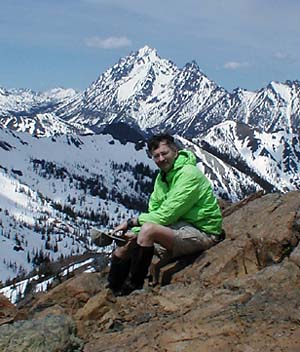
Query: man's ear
<point x="149" y="154"/>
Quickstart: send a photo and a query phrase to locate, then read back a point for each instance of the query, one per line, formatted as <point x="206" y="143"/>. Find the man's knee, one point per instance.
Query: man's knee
<point x="147" y="234"/>
<point x="148" y="227"/>
<point x="148" y="230"/>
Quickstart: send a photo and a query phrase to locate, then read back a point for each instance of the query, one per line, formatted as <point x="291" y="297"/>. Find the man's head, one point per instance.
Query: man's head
<point x="163" y="150"/>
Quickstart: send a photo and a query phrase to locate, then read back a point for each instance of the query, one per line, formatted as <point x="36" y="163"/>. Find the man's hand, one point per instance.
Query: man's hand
<point x="125" y="225"/>
<point x="130" y="236"/>
<point x="122" y="227"/>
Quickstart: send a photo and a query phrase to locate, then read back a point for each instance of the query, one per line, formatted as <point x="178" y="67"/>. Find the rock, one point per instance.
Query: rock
<point x="241" y="295"/>
<point x="100" y="312"/>
<point x="250" y="312"/>
<point x="52" y="334"/>
<point x="69" y="296"/>
<point x="8" y="311"/>
<point x="295" y="255"/>
<point x="271" y="223"/>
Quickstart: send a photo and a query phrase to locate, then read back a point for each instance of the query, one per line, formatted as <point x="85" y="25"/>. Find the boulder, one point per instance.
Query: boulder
<point x="69" y="296"/>
<point x="51" y="334"/>
<point x="259" y="233"/>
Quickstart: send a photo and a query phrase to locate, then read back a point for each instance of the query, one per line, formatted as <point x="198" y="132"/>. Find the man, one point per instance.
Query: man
<point x="183" y="217"/>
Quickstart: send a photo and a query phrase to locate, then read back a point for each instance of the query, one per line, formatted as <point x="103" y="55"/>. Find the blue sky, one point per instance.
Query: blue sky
<point x="68" y="43"/>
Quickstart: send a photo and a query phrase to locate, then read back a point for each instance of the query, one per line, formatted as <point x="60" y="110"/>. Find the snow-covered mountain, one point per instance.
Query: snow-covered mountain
<point x="145" y="91"/>
<point x="153" y="94"/>
<point x="271" y="160"/>
<point x="52" y="190"/>
<point x="26" y="100"/>
<point x="27" y="111"/>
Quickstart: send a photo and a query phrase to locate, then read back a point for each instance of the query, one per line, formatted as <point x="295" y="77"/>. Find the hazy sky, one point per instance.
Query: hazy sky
<point x="69" y="43"/>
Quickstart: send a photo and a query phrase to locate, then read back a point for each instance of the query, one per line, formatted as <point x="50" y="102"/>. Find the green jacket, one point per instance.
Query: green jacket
<point x="183" y="194"/>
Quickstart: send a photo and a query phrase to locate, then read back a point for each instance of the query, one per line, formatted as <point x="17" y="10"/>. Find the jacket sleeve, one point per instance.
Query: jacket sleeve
<point x="183" y="194"/>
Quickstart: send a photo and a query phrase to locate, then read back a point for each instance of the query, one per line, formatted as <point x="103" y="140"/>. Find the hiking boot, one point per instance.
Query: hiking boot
<point x="126" y="289"/>
<point x="118" y="273"/>
<point x="139" y="270"/>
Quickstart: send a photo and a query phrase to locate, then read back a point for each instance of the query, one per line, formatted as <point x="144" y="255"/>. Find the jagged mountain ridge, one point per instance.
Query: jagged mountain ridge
<point x="146" y="91"/>
<point x="27" y="101"/>
<point x="271" y="160"/>
<point x="28" y="111"/>
<point x="152" y="93"/>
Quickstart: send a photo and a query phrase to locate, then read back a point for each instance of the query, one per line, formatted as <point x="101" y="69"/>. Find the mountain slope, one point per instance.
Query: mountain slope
<point x="52" y="190"/>
<point x="272" y="160"/>
<point x="27" y="111"/>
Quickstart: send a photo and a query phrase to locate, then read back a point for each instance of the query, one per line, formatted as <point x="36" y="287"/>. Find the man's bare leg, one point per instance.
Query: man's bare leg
<point x="154" y="233"/>
<point x="148" y="235"/>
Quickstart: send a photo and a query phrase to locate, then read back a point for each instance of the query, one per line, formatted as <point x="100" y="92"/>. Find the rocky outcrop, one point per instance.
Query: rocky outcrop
<point x="241" y="295"/>
<point x="69" y="296"/>
<point x="53" y="333"/>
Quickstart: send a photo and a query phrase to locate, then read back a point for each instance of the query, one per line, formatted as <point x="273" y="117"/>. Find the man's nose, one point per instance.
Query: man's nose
<point x="161" y="158"/>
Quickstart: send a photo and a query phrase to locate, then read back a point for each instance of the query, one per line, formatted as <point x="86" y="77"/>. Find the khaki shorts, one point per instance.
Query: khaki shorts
<point x="188" y="240"/>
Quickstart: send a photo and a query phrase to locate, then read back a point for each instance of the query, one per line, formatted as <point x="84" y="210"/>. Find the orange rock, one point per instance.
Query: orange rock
<point x="8" y="311"/>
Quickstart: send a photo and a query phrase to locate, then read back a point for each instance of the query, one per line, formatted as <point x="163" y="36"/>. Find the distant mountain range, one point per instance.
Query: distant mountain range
<point x="69" y="159"/>
<point x="151" y="94"/>
<point x="256" y="133"/>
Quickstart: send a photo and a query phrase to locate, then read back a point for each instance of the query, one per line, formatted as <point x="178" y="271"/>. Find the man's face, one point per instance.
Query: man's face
<point x="164" y="156"/>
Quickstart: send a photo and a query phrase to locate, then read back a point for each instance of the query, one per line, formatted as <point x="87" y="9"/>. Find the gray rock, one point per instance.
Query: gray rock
<point x="53" y="333"/>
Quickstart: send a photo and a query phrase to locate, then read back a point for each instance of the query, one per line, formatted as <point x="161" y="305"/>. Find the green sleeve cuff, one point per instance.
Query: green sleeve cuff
<point x="135" y="229"/>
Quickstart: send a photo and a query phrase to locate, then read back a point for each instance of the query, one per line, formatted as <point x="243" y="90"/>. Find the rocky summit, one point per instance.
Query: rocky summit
<point x="242" y="295"/>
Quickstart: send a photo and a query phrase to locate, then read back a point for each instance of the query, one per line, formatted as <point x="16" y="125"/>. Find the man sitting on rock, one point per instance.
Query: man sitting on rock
<point x="183" y="217"/>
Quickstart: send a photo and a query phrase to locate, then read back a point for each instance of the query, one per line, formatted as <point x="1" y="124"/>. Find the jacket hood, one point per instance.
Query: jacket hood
<point x="185" y="157"/>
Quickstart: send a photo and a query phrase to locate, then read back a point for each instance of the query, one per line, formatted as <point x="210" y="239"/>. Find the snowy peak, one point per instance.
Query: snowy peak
<point x="270" y="109"/>
<point x="145" y="76"/>
<point x="125" y="92"/>
<point x="144" y="90"/>
<point x="147" y="51"/>
<point x="190" y="78"/>
<point x="153" y="94"/>
<point x="137" y="65"/>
